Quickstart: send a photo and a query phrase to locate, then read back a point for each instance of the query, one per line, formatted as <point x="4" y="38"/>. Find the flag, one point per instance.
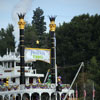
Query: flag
<point x="84" y="93"/>
<point x="76" y="93"/>
<point x="93" y="93"/>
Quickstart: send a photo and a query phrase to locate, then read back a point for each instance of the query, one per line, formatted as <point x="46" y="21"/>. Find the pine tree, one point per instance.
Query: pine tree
<point x="7" y="39"/>
<point x="38" y="21"/>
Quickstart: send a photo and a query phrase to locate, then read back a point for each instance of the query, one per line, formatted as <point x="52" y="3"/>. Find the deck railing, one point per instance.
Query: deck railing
<point x="32" y="86"/>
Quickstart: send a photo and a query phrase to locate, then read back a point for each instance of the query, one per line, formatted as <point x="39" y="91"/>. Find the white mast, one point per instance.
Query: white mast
<point x="82" y="64"/>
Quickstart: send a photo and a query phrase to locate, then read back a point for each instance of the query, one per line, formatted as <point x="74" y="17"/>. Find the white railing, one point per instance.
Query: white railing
<point x="9" y="88"/>
<point x="32" y="86"/>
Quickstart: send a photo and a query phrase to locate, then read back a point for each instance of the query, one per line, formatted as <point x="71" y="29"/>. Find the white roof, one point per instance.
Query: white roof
<point x="12" y="56"/>
<point x="27" y="75"/>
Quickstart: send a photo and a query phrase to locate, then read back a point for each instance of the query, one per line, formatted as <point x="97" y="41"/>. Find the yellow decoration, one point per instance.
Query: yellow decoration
<point x="48" y="70"/>
<point x="39" y="80"/>
<point x="52" y="26"/>
<point x="59" y="80"/>
<point x="21" y="23"/>
<point x="7" y="82"/>
<point x="37" y="42"/>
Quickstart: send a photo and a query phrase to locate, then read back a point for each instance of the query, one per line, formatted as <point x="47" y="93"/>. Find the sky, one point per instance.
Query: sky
<point x="65" y="10"/>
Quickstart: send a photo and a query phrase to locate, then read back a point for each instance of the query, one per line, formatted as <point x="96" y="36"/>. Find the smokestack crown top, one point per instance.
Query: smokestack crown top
<point x="21" y="22"/>
<point x="21" y="16"/>
<point x="52" y="18"/>
<point x="52" y="24"/>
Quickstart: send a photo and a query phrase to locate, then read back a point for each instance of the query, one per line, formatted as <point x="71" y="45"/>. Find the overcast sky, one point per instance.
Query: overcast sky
<point x="64" y="9"/>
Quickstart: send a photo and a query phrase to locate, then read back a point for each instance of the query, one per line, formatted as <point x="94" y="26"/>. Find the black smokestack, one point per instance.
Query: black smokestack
<point x="22" y="62"/>
<point x="53" y="45"/>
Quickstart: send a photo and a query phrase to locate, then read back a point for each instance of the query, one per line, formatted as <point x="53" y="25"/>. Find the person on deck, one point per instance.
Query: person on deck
<point x="38" y="80"/>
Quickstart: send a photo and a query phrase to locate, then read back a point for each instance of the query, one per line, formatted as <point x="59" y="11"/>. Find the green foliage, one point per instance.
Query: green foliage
<point x="79" y="41"/>
<point x="7" y="40"/>
<point x="36" y="31"/>
<point x="30" y="36"/>
<point x="94" y="69"/>
<point x="38" y="21"/>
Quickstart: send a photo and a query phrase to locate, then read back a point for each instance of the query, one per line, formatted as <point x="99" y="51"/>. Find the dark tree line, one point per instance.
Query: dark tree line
<point x="7" y="40"/>
<point x="77" y="41"/>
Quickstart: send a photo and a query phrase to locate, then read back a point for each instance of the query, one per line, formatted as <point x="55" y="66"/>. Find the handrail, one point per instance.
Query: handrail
<point x="32" y="86"/>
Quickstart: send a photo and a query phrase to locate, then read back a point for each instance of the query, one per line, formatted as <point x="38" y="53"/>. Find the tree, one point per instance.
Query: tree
<point x="7" y="39"/>
<point x="2" y="42"/>
<point x="38" y="21"/>
<point x="77" y="41"/>
<point x="10" y="39"/>
<point x="94" y="69"/>
<point x="30" y="36"/>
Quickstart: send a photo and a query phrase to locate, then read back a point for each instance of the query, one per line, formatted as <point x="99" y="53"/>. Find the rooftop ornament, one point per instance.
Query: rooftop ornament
<point x="21" y="22"/>
<point x="21" y="16"/>
<point x="52" y="24"/>
<point x="52" y="18"/>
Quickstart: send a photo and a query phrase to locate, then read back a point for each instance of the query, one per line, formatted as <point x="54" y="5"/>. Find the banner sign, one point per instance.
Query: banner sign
<point x="34" y="54"/>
